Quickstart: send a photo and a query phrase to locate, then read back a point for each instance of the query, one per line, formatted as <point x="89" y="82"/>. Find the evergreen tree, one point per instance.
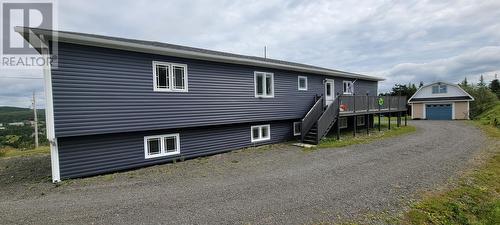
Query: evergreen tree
<point x="464" y="83"/>
<point x="495" y="87"/>
<point x="481" y="82"/>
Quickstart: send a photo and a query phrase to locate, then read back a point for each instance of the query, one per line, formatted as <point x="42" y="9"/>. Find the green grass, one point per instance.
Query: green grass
<point x="12" y="152"/>
<point x="347" y="138"/>
<point x="473" y="200"/>
<point x="491" y="117"/>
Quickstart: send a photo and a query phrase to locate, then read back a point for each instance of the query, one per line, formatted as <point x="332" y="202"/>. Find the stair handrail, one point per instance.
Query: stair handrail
<point x="311" y="117"/>
<point x="327" y="118"/>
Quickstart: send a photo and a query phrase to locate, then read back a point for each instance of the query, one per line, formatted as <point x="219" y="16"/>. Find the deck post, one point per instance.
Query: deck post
<point x="389" y="117"/>
<point x="399" y="119"/>
<point x="367" y="121"/>
<point x="354" y="111"/>
<point x="406" y="118"/>
<point x="379" y="114"/>
<point x="338" y="116"/>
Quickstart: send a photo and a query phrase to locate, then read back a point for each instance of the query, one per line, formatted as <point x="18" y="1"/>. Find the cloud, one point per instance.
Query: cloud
<point x="402" y="40"/>
<point x="469" y="64"/>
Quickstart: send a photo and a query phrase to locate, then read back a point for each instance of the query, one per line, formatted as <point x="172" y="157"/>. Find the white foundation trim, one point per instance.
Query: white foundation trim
<point x="49" y="117"/>
<point x="453" y="110"/>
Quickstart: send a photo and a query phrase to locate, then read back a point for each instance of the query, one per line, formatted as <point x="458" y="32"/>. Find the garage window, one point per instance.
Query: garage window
<point x="439" y="89"/>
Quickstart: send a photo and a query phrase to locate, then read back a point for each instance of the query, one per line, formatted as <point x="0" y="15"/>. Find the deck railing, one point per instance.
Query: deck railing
<point x="362" y="103"/>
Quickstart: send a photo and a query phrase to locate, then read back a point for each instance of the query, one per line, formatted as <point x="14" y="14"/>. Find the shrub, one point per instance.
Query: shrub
<point x="484" y="100"/>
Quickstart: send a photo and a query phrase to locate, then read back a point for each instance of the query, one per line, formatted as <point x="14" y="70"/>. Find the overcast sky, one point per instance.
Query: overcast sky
<point x="403" y="41"/>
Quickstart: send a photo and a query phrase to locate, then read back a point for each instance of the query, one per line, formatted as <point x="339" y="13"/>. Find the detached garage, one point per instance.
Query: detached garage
<point x="440" y="101"/>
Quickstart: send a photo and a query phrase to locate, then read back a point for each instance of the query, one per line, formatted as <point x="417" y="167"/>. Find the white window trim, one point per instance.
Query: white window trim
<point x="298" y="83"/>
<point x="351" y="84"/>
<point x="162" y="145"/>
<point x="346" y="123"/>
<point x="295" y="124"/>
<point x="358" y="123"/>
<point x="260" y="133"/>
<point x="171" y="77"/>
<point x="264" y="95"/>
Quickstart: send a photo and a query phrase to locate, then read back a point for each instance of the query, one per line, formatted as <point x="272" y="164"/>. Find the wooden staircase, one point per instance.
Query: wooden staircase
<point x="318" y="121"/>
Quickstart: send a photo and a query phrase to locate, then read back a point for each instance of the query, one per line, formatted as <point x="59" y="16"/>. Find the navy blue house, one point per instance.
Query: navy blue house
<point x="115" y="103"/>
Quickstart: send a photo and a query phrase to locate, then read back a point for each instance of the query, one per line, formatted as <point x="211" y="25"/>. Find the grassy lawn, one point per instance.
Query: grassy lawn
<point x="347" y="138"/>
<point x="12" y="152"/>
<point x="475" y="199"/>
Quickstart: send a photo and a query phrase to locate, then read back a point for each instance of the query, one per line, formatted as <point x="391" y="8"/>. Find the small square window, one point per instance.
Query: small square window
<point x="264" y="85"/>
<point x="297" y="128"/>
<point x="302" y="82"/>
<point x="348" y="87"/>
<point x="161" y="145"/>
<point x="260" y="133"/>
<point x="169" y="77"/>
<point x="154" y="146"/>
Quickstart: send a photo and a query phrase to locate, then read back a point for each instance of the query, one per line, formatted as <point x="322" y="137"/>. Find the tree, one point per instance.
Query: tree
<point x="495" y="87"/>
<point x="481" y="82"/>
<point x="484" y="99"/>
<point x="403" y="89"/>
<point x="464" y="83"/>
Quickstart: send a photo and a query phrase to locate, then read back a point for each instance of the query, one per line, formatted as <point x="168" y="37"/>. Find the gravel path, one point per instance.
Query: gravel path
<point x="278" y="185"/>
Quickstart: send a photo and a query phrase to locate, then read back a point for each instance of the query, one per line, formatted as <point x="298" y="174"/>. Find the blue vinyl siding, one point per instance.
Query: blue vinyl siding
<point x="99" y="90"/>
<point x="97" y="154"/>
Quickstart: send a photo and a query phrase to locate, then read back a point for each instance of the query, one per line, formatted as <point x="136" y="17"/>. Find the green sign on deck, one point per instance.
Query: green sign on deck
<point x="380" y="101"/>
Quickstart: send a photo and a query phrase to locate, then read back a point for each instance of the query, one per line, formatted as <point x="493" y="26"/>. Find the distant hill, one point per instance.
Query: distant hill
<point x="15" y="114"/>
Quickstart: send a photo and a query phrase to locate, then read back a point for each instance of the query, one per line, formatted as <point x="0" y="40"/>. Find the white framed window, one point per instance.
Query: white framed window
<point x="260" y="133"/>
<point x="302" y="83"/>
<point x="171" y="77"/>
<point x="161" y="145"/>
<point x="297" y="127"/>
<point x="348" y="87"/>
<point x="264" y="85"/>
<point x="343" y="122"/>
<point x="439" y="89"/>
<point x="360" y="120"/>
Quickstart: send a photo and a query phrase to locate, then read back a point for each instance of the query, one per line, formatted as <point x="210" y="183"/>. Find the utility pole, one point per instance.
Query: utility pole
<point x="35" y="120"/>
<point x="265" y="52"/>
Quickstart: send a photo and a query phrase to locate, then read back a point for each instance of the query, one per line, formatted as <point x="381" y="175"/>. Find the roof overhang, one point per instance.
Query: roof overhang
<point x="97" y="41"/>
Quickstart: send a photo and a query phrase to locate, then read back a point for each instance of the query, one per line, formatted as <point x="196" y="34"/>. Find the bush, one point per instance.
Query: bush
<point x="484" y="100"/>
<point x="491" y="116"/>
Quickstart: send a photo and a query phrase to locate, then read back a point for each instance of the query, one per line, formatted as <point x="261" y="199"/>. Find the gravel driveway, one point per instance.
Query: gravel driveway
<point x="278" y="185"/>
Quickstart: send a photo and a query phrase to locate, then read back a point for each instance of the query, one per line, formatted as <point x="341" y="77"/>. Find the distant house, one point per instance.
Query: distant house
<point x="440" y="101"/>
<point x="115" y="103"/>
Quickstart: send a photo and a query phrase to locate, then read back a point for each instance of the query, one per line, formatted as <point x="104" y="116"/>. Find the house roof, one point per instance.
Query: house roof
<point x="180" y="51"/>
<point x="466" y="97"/>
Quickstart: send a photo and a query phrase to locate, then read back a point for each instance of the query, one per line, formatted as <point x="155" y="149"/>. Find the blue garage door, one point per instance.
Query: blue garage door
<point x="438" y="111"/>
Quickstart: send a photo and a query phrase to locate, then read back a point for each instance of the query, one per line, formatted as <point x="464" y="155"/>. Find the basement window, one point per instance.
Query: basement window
<point x="302" y="82"/>
<point x="297" y="127"/>
<point x="170" y="77"/>
<point x="260" y="133"/>
<point x="343" y="122"/>
<point x="264" y="85"/>
<point x="161" y="145"/>
<point x="360" y="120"/>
